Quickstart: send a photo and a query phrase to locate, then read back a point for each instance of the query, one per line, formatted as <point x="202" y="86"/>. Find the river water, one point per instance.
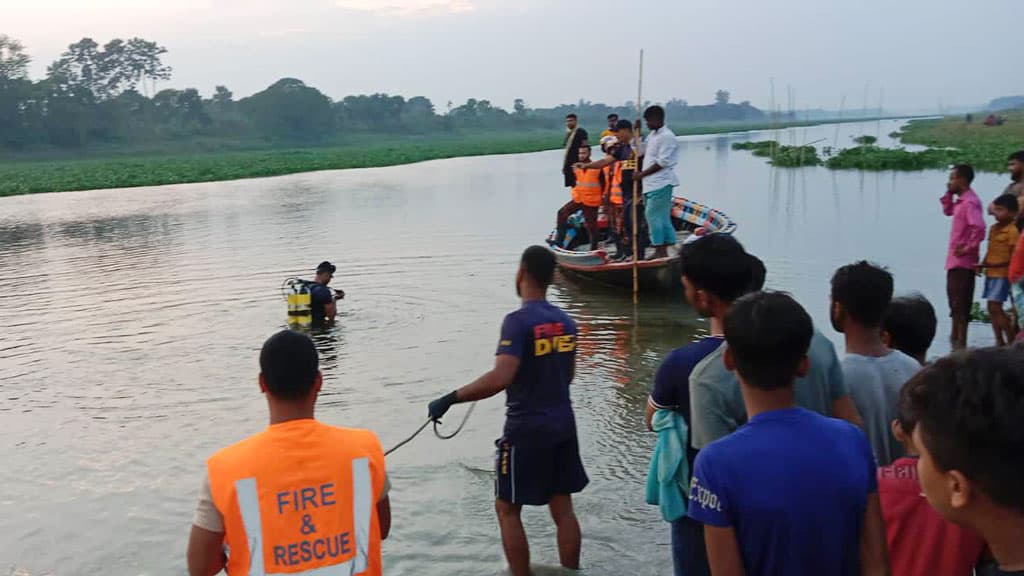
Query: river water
<point x="133" y="318"/>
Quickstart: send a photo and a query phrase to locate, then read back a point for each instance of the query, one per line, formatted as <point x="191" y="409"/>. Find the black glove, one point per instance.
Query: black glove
<point x="439" y="407"/>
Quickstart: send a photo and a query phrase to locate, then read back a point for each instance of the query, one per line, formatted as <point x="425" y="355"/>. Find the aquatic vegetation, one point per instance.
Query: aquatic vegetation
<point x="756" y="146"/>
<point x="26" y="177"/>
<point x="781" y="155"/>
<point x="794" y="156"/>
<point x="875" y="158"/>
<point x="865" y="140"/>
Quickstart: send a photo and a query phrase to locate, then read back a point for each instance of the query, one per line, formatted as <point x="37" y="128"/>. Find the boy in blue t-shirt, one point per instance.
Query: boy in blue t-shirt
<point x="538" y="458"/>
<point x="716" y="270"/>
<point x="791" y="492"/>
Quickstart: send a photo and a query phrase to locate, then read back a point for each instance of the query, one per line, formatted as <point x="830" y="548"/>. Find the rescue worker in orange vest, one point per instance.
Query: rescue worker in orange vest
<point x="626" y="156"/>
<point x="612" y="200"/>
<point x="298" y="497"/>
<point x="586" y="196"/>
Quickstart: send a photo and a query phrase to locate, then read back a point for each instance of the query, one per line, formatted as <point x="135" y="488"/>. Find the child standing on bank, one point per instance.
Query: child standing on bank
<point x="968" y="410"/>
<point x="921" y="542"/>
<point x="1002" y="238"/>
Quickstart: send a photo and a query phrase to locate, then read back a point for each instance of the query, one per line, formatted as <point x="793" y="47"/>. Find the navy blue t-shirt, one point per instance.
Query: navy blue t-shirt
<point x="319" y="296"/>
<point x="672" y="382"/>
<point x="543" y="337"/>
<point x="794" y="485"/>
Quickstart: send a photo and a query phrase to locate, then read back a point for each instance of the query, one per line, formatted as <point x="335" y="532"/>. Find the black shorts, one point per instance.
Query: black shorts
<point x="532" y="469"/>
<point x="960" y="291"/>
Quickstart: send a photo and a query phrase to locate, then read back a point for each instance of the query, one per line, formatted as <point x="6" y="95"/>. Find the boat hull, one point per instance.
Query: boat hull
<point x="690" y="218"/>
<point x="656" y="275"/>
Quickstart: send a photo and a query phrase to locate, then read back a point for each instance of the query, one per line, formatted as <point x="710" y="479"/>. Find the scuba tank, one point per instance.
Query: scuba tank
<point x="300" y="312"/>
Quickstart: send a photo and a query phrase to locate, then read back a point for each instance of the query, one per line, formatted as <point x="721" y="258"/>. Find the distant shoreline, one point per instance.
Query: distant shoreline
<point x="124" y="169"/>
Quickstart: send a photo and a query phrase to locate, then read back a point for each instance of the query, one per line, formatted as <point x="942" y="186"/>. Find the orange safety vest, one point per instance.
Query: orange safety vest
<point x="300" y="497"/>
<point x="613" y="181"/>
<point x="588" y="187"/>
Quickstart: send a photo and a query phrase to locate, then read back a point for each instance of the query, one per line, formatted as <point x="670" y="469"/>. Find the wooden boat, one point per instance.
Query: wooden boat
<point x="690" y="219"/>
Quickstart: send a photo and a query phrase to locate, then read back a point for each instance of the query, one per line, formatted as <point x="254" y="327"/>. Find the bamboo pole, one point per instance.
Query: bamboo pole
<point x="636" y="180"/>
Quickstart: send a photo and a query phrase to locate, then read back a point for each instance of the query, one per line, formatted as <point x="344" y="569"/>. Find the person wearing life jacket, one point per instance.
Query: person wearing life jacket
<point x="300" y="497"/>
<point x="612" y="200"/>
<point x="625" y="155"/>
<point x="586" y="196"/>
<point x="324" y="306"/>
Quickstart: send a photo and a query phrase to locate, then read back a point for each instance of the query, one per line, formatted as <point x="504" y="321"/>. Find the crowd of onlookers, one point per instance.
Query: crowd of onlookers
<point x="799" y="461"/>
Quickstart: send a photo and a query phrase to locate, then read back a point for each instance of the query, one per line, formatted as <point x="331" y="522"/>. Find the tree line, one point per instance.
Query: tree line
<point x="107" y="94"/>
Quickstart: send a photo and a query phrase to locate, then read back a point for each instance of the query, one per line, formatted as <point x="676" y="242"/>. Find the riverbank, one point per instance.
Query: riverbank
<point x="947" y="141"/>
<point x="124" y="168"/>
<point x="984" y="147"/>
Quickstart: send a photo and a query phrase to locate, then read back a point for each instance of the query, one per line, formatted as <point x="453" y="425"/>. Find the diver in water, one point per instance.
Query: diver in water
<point x="324" y="301"/>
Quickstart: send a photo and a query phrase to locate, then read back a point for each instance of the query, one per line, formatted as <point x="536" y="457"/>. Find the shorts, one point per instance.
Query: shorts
<point x="532" y="469"/>
<point x="996" y="289"/>
<point x="960" y="291"/>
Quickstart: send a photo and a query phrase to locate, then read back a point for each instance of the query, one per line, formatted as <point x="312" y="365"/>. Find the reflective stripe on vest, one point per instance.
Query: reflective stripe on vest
<point x="588" y="187"/>
<point x="362" y="506"/>
<point x="616" y="184"/>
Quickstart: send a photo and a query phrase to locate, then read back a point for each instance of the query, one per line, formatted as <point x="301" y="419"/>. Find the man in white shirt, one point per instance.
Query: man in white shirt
<point x="875" y="373"/>
<point x="660" y="157"/>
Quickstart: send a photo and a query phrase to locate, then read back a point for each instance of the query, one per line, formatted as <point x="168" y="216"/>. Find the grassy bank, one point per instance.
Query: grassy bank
<point x="949" y="140"/>
<point x="985" y="147"/>
<point x="114" y="167"/>
<point x="123" y="171"/>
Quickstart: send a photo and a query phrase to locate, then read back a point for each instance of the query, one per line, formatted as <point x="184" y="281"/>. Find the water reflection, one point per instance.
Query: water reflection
<point x="133" y="320"/>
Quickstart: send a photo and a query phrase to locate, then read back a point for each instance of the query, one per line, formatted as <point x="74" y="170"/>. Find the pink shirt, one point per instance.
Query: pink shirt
<point x="968" y="228"/>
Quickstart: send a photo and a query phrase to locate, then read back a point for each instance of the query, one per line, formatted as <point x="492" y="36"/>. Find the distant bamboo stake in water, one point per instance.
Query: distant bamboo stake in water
<point x="636" y="179"/>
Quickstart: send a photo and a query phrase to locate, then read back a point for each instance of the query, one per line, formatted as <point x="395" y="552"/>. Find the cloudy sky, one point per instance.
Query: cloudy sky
<point x="910" y="53"/>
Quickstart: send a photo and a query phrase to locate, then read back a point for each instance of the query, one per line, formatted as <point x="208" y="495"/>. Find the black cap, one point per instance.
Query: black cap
<point x="326" y="266"/>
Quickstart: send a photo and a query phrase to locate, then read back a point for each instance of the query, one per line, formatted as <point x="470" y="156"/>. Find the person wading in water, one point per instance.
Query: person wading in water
<point x="538" y="460"/>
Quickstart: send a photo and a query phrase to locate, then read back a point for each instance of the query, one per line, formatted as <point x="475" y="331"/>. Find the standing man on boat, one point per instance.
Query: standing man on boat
<point x="964" y="241"/>
<point x="660" y="156"/>
<point x="575" y="137"/>
<point x="300" y="496"/>
<point x="538" y="460"/>
<point x="612" y="129"/>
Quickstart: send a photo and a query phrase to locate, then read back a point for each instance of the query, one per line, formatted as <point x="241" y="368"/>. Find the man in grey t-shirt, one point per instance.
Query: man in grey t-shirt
<point x="716" y="404"/>
<point x="875" y="373"/>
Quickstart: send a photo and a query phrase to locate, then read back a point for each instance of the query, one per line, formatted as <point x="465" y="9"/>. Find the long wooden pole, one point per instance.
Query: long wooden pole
<point x="636" y="180"/>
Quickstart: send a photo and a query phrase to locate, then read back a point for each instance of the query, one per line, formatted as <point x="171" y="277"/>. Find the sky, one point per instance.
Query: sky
<point x="900" y="54"/>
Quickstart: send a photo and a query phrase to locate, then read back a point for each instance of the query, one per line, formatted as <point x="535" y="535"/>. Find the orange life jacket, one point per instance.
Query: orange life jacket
<point x="298" y="497"/>
<point x="613" y="182"/>
<point x="588" y="189"/>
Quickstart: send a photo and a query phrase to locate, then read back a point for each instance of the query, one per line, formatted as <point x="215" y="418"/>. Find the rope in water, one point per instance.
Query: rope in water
<point x="436" y="431"/>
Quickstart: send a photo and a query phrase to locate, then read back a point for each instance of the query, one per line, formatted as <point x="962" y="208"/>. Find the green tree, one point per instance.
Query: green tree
<point x="13" y="59"/>
<point x="291" y="111"/>
<point x="722" y="97"/>
<point x="112" y="69"/>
